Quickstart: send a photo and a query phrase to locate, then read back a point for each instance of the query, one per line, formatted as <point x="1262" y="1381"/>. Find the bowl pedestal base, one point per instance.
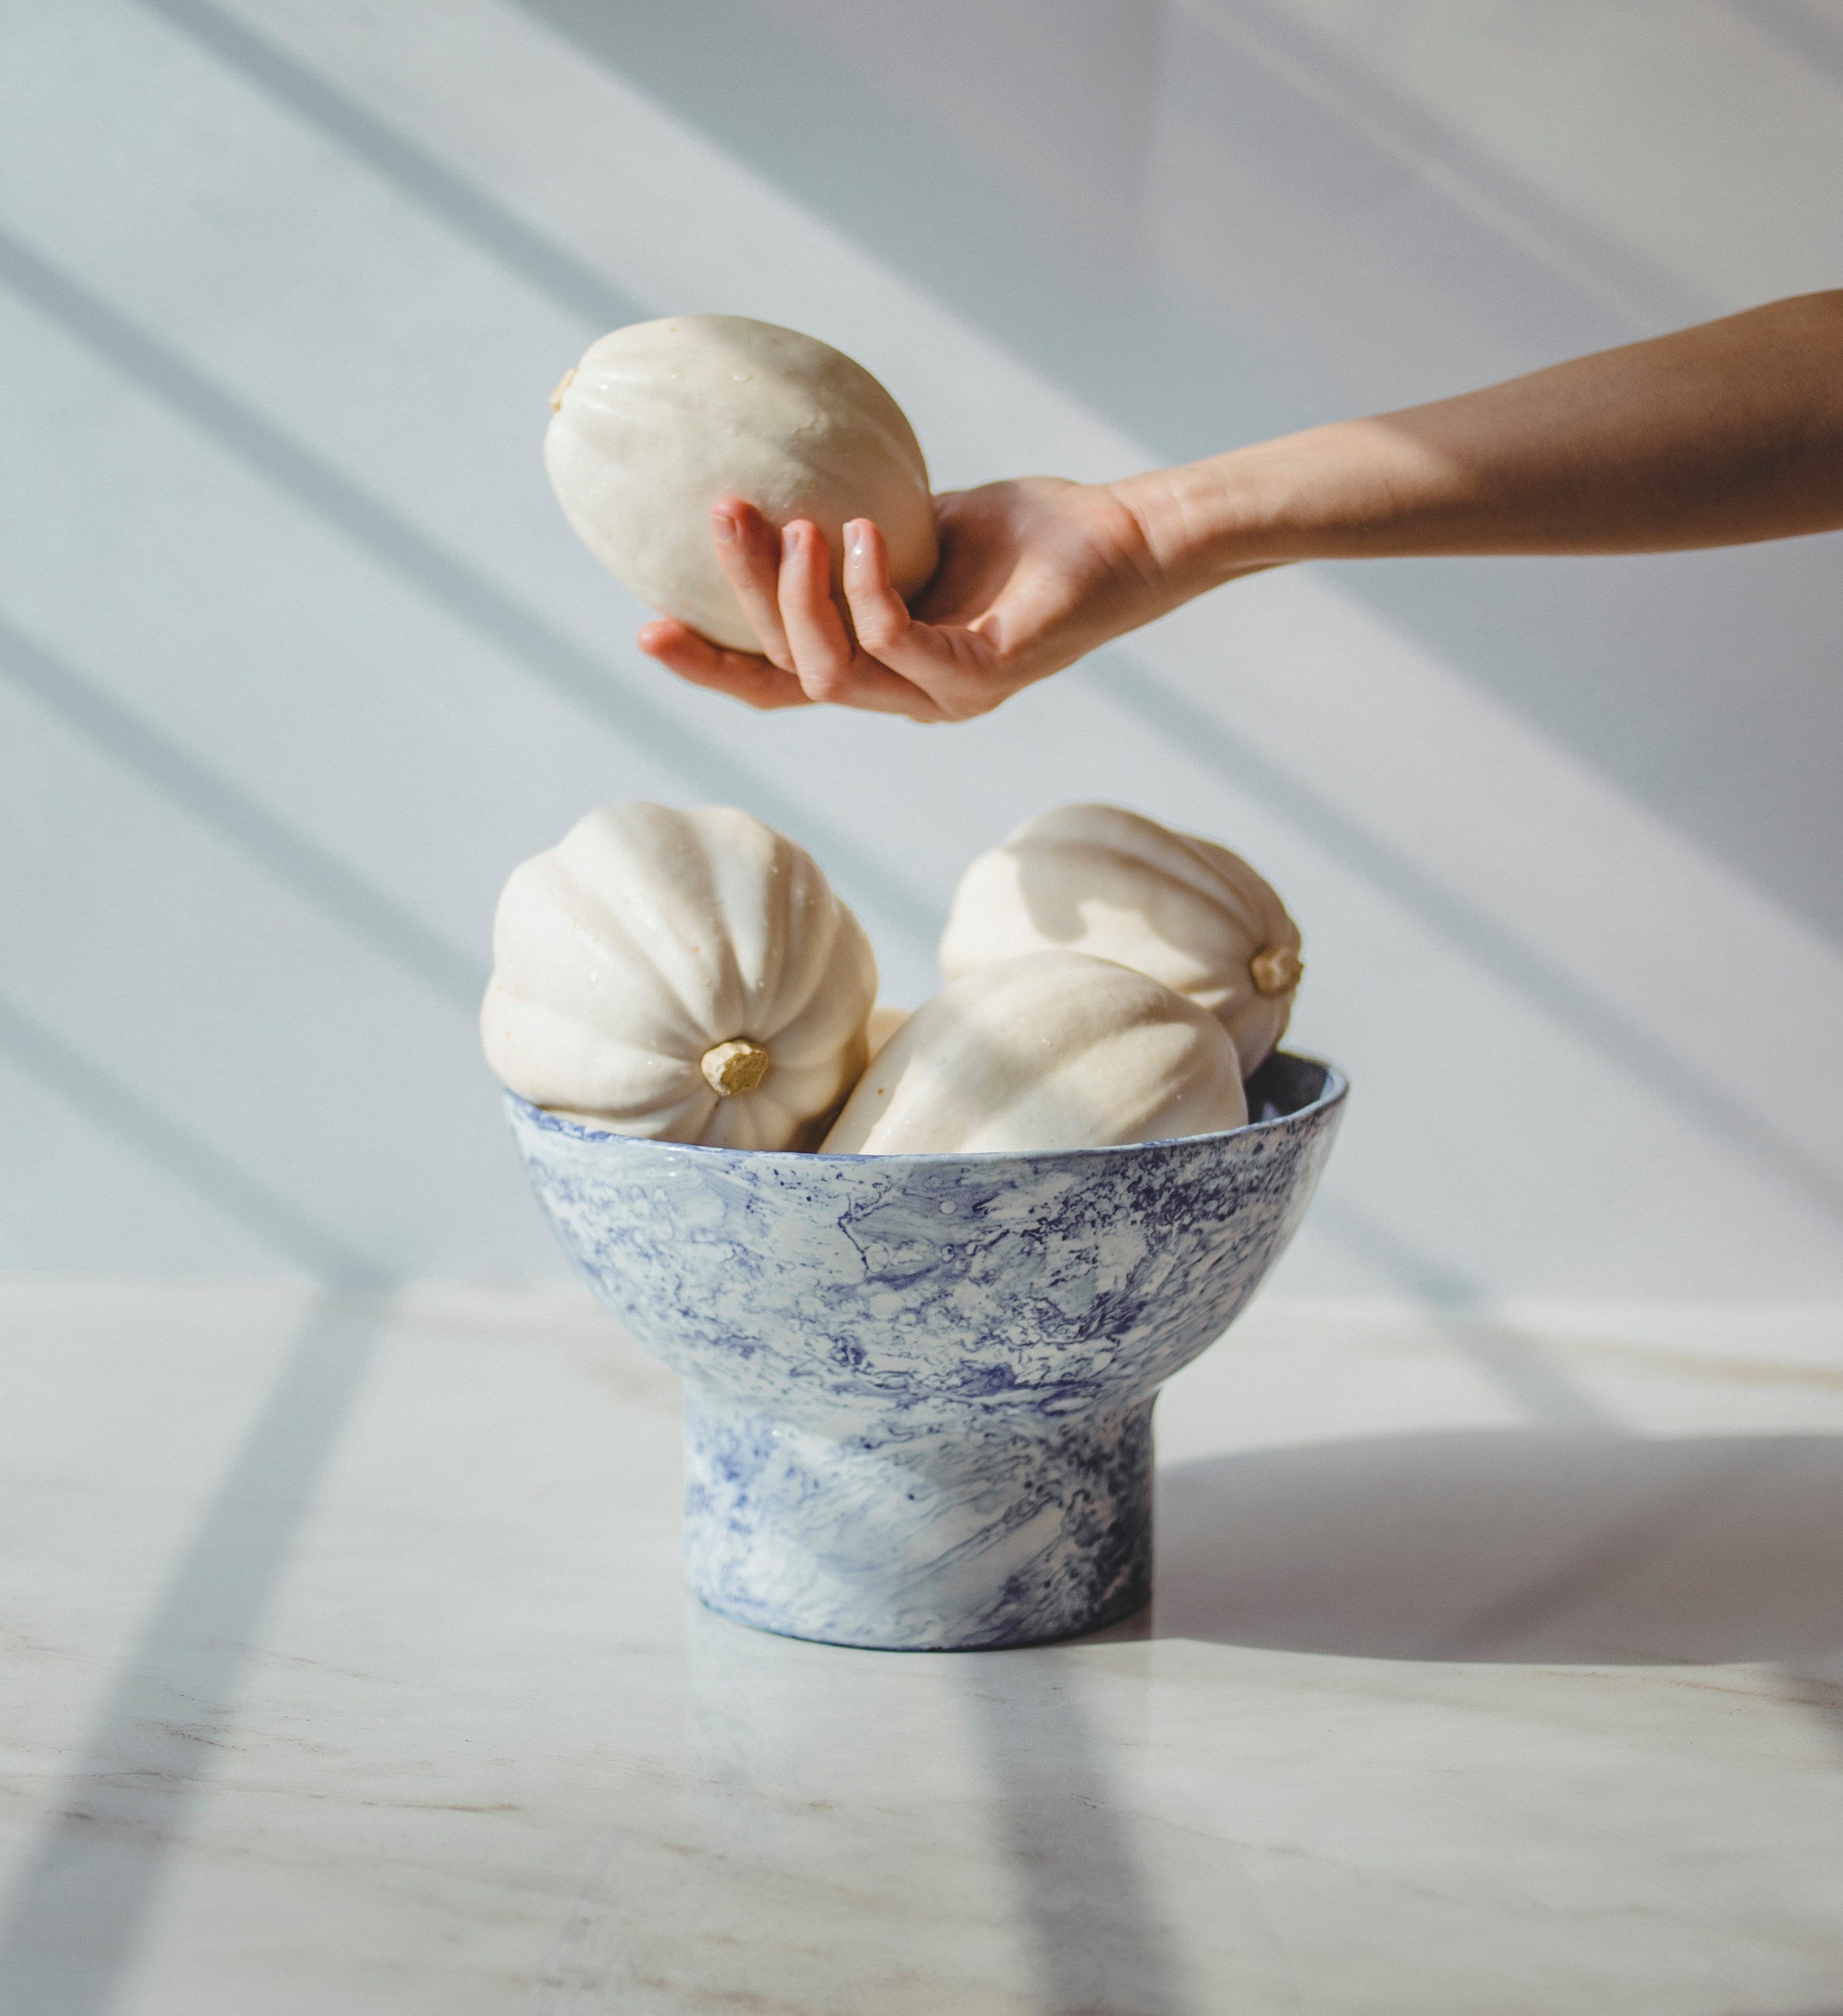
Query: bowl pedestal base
<point x="946" y="1528"/>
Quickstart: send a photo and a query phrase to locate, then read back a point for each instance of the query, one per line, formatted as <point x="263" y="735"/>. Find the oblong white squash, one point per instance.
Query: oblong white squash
<point x="684" y="976"/>
<point x="1055" y="1049"/>
<point x="661" y="418"/>
<point x="1100" y="880"/>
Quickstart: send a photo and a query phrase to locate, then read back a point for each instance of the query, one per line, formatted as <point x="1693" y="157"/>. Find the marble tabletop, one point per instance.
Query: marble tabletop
<point x="1495" y="1668"/>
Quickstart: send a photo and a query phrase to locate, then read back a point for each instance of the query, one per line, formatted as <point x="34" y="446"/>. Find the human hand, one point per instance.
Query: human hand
<point x="1033" y="574"/>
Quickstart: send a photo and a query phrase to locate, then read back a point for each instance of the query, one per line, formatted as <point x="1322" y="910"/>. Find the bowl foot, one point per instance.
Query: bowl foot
<point x="906" y="1534"/>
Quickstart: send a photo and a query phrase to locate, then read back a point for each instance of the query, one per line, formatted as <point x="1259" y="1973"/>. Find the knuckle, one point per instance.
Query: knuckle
<point x="878" y="631"/>
<point x="828" y="657"/>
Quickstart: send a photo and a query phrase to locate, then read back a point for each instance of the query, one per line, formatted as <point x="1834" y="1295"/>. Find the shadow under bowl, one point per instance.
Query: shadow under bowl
<point x="918" y="1388"/>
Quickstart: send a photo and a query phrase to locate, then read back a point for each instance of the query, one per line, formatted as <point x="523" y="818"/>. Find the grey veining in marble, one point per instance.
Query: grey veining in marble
<point x="919" y="1387"/>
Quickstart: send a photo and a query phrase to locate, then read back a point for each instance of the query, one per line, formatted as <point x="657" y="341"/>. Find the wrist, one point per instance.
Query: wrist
<point x="1352" y="490"/>
<point x="1204" y="523"/>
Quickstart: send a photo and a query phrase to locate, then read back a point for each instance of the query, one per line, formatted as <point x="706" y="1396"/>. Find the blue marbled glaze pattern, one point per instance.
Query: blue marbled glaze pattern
<point x="919" y="1387"/>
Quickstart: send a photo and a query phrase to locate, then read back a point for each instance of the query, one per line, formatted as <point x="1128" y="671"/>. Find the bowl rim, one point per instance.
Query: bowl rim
<point x="1331" y="1095"/>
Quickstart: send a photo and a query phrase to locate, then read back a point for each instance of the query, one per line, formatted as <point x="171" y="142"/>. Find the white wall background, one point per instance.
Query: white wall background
<point x="297" y="657"/>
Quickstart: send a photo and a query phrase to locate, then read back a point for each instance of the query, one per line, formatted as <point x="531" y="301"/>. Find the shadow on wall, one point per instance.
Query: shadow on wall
<point x="1277" y="237"/>
<point x="445" y="577"/>
<point x="1530" y="1545"/>
<point x="666" y="60"/>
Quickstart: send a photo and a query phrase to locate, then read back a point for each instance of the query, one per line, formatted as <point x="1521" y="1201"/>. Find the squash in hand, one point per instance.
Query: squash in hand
<point x="1100" y="880"/>
<point x="684" y="976"/>
<point x="1055" y="1049"/>
<point x="662" y="418"/>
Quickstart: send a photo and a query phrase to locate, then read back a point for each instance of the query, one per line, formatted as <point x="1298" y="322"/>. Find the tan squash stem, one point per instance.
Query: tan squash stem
<point x="737" y="1066"/>
<point x="1275" y="969"/>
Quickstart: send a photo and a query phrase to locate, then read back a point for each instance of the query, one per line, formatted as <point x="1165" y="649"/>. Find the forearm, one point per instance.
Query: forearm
<point x="1717" y="435"/>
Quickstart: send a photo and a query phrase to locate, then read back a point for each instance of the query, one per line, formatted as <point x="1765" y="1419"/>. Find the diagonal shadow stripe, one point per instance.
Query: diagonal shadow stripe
<point x="118" y="1109"/>
<point x="1800" y="30"/>
<point x="1607" y="1030"/>
<point x="441" y="575"/>
<point x="288" y="855"/>
<point x="81" y="1910"/>
<point x="498" y="231"/>
<point x="1425" y="1277"/>
<point x="1458" y="1306"/>
<point x="1313" y="67"/>
<point x="816" y="110"/>
<point x="1313" y="62"/>
<point x="1275" y="41"/>
<point x="1613" y="1034"/>
<point x="1101" y="1941"/>
<point x="790" y="106"/>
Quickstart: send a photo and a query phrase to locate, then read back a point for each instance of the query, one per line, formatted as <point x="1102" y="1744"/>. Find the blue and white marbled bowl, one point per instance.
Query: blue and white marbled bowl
<point x="918" y="1388"/>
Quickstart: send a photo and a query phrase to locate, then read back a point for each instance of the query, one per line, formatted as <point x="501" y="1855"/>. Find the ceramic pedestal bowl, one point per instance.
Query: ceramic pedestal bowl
<point x="918" y="1388"/>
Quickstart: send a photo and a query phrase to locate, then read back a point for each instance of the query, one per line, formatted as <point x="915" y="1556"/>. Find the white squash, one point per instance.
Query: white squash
<point x="1099" y="880"/>
<point x="1055" y="1049"/>
<point x="661" y="418"/>
<point x="885" y="1021"/>
<point x="684" y="976"/>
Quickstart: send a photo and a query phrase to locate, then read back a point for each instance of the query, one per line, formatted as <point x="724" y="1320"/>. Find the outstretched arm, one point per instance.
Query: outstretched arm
<point x="1718" y="435"/>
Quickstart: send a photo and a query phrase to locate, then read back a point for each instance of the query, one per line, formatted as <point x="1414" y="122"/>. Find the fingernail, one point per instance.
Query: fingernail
<point x="724" y="525"/>
<point x="790" y="539"/>
<point x="854" y="537"/>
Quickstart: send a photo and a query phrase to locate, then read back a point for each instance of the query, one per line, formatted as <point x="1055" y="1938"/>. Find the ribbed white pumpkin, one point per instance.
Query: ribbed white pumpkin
<point x="661" y="418"/>
<point x="684" y="976"/>
<point x="1055" y="1049"/>
<point x="1100" y="880"/>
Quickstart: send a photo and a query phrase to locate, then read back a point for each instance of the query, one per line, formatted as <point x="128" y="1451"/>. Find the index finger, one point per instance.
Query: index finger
<point x="952" y="668"/>
<point x="749" y="552"/>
